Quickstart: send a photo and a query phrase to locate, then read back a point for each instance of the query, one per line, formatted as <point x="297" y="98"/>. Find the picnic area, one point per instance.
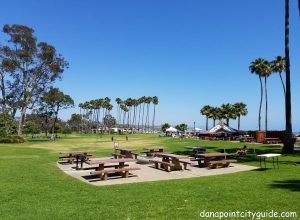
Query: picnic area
<point x="32" y="179"/>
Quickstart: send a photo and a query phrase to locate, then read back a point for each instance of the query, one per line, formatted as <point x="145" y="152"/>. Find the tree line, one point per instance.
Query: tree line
<point x="226" y="111"/>
<point x="134" y="114"/>
<point x="93" y="113"/>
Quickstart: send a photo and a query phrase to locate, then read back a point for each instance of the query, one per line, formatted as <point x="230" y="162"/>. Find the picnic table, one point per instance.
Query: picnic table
<point x="246" y="139"/>
<point x="212" y="160"/>
<point x="151" y="151"/>
<point x="118" y="166"/>
<point x="271" y="141"/>
<point x="124" y="153"/>
<point x="269" y="155"/>
<point x="77" y="156"/>
<point x="195" y="150"/>
<point x="171" y="161"/>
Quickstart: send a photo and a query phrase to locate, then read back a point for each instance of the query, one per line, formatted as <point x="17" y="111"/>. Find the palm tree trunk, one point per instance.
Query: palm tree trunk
<point x="143" y="116"/>
<point x="153" y="118"/>
<point x="214" y="122"/>
<point x="206" y="122"/>
<point x="266" y="97"/>
<point x="227" y="121"/>
<point x="239" y="122"/>
<point x="260" y="104"/>
<point x="288" y="142"/>
<point x="148" y="116"/>
<point x="139" y="117"/>
<point x="283" y="86"/>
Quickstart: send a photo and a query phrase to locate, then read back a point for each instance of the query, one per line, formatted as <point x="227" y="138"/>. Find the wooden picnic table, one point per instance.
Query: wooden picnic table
<point x="246" y="139"/>
<point x="102" y="162"/>
<point x="124" y="153"/>
<point x="78" y="156"/>
<point x="195" y="150"/>
<point x="118" y="167"/>
<point x="171" y="160"/>
<point x="271" y="141"/>
<point x="206" y="158"/>
<point x="151" y="151"/>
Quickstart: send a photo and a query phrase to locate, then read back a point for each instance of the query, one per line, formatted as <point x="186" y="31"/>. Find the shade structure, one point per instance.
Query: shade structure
<point x="221" y="127"/>
<point x="171" y="129"/>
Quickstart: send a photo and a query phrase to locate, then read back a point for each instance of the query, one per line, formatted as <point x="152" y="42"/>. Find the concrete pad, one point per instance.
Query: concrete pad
<point x="148" y="173"/>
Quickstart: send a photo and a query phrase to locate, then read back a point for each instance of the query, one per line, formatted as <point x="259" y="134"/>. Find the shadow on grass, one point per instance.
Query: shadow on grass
<point x="292" y="185"/>
<point x="261" y="169"/>
<point x="191" y="153"/>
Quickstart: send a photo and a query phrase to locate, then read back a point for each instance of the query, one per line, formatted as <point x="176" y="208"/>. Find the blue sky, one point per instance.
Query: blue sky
<point x="188" y="53"/>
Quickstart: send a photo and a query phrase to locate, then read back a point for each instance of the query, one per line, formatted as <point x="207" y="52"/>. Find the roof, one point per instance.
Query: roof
<point x="221" y="127"/>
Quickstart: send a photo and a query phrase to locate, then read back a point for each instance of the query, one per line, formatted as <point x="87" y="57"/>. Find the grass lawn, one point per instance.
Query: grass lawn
<point x="32" y="187"/>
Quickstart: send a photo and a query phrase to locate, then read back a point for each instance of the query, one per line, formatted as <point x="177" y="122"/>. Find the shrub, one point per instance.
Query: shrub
<point x="12" y="139"/>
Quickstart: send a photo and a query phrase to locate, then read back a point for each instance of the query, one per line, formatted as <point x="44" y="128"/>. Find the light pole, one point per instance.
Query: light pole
<point x="194" y="127"/>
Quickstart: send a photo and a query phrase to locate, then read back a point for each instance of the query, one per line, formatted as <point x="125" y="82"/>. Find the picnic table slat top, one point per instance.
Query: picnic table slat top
<point x="213" y="154"/>
<point x="171" y="155"/>
<point x="107" y="161"/>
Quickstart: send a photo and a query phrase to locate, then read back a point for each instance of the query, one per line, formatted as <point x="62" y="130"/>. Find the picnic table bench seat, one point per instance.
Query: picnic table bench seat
<point x="164" y="165"/>
<point x="220" y="163"/>
<point x="123" y="172"/>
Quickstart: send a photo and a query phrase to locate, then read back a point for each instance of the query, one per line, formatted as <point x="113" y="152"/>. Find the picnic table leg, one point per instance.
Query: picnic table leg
<point x="77" y="158"/>
<point x="177" y="164"/>
<point x="81" y="163"/>
<point x="260" y="161"/>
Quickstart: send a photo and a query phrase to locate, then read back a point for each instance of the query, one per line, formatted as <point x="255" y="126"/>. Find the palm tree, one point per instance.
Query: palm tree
<point x="278" y="66"/>
<point x="148" y="101"/>
<point x="155" y="102"/>
<point x="140" y="102"/>
<point x="119" y="102"/>
<point x="288" y="143"/>
<point x="255" y="67"/>
<point x="266" y="72"/>
<point x="214" y="113"/>
<point x="205" y="110"/>
<point x="240" y="110"/>
<point x="228" y="112"/>
<point x="143" y="101"/>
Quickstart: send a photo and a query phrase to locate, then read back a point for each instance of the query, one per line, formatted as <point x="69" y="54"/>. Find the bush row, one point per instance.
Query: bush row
<point x="12" y="139"/>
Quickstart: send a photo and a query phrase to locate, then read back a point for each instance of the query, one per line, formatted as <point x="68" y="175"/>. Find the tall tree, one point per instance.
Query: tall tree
<point x="240" y="109"/>
<point x="57" y="100"/>
<point x="288" y="142"/>
<point x="155" y="103"/>
<point x="228" y="112"/>
<point x="255" y="67"/>
<point x="278" y="66"/>
<point x="119" y="102"/>
<point x="266" y="70"/>
<point x="36" y="65"/>
<point x="205" y="110"/>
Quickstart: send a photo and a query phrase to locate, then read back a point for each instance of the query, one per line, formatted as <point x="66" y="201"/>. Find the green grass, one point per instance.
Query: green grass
<point x="32" y="187"/>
